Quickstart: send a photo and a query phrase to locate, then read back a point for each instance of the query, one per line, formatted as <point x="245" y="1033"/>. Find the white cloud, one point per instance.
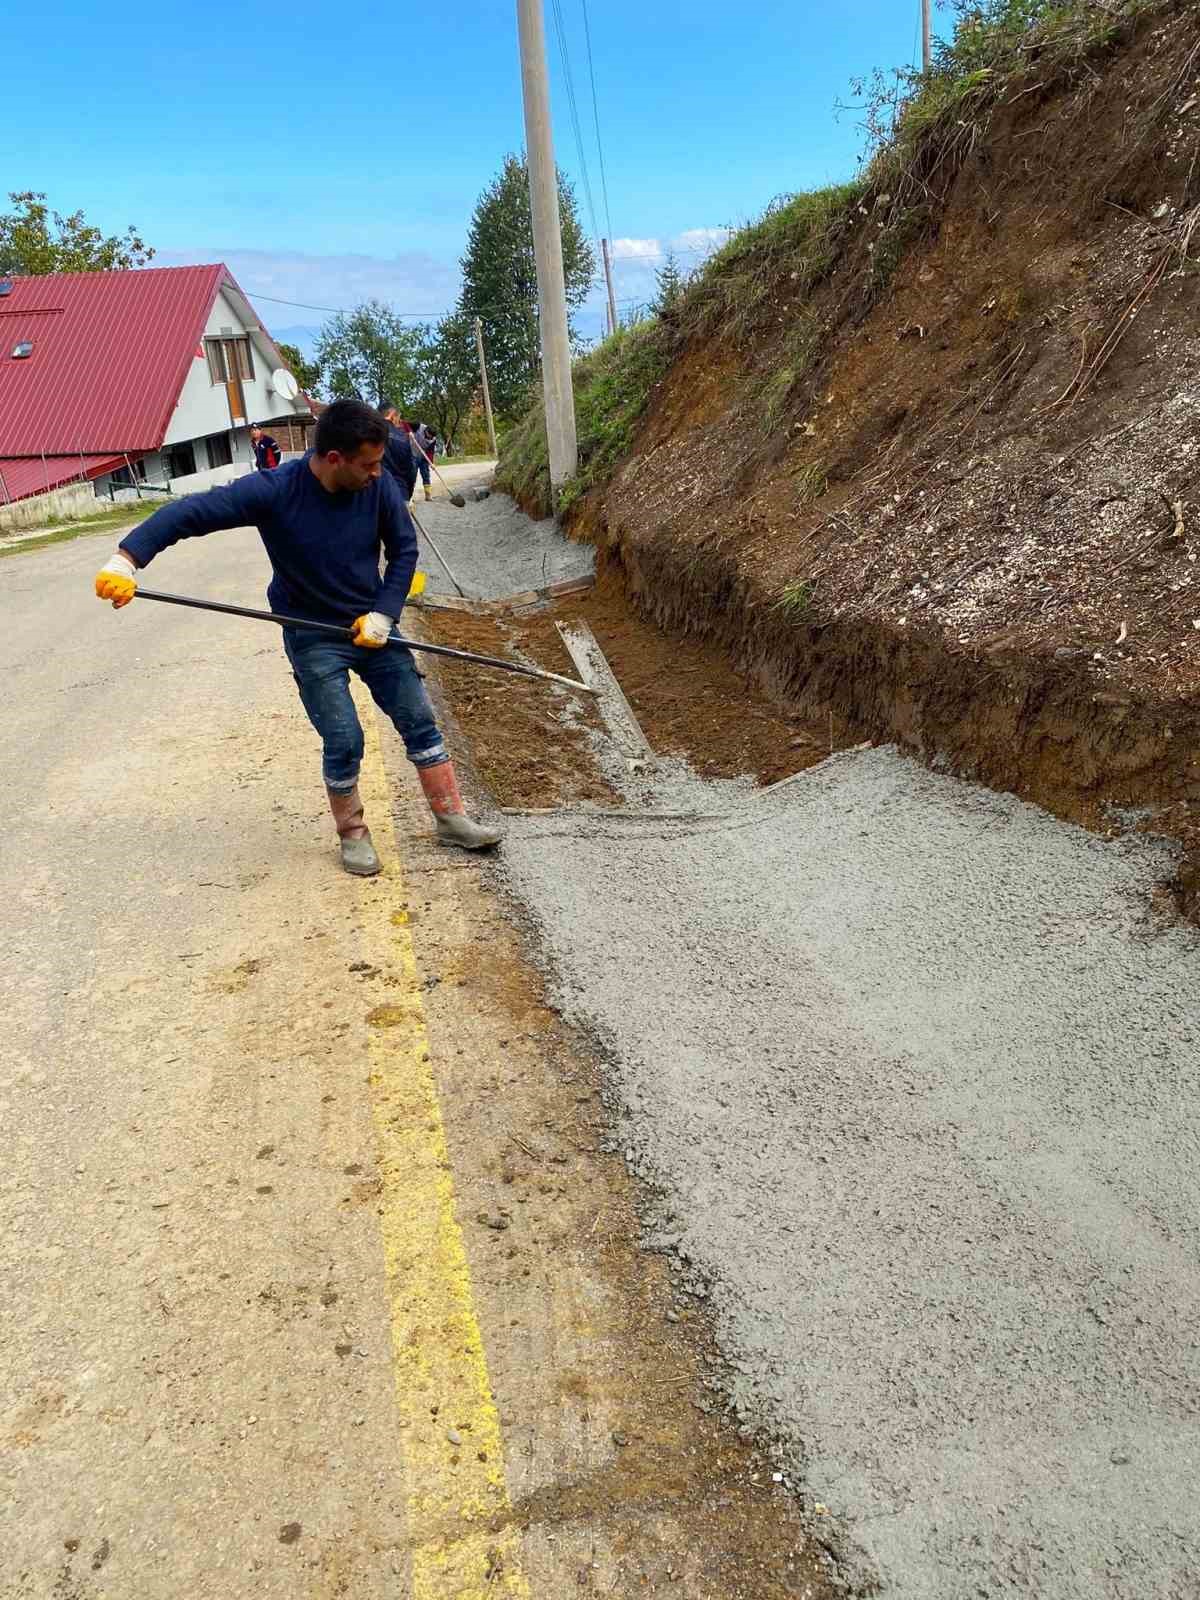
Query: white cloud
<point x="700" y="241"/>
<point x="635" y="249"/>
<point x="412" y="282"/>
<point x="636" y="261"/>
<point x="284" y="284"/>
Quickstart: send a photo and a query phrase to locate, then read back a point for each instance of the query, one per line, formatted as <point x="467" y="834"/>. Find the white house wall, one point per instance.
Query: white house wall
<point x="203" y="407"/>
<point x="193" y="483"/>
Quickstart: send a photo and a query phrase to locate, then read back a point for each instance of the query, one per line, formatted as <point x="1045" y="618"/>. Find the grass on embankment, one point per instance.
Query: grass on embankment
<point x="613" y="384"/>
<point x="19" y="543"/>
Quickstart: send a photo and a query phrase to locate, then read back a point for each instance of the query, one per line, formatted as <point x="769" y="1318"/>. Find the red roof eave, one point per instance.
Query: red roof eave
<point x="23" y="476"/>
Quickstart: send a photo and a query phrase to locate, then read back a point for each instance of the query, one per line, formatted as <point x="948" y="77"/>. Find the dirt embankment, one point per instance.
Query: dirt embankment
<point x="979" y="502"/>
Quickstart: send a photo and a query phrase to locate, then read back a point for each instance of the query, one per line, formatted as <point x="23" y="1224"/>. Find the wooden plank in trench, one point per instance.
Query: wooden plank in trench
<point x="592" y="666"/>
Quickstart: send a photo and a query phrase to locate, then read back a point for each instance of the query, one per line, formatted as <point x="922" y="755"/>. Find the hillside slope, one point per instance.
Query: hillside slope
<point x="921" y="452"/>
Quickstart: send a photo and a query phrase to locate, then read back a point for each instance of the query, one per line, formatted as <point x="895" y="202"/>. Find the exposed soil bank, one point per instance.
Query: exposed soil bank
<point x="979" y="493"/>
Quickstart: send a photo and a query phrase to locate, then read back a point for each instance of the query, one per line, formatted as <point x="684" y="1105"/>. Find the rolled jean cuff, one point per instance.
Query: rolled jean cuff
<point x="432" y="757"/>
<point x="341" y="785"/>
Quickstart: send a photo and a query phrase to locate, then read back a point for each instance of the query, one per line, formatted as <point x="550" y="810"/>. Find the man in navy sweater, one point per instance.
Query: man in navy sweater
<point x="324" y="520"/>
<point x="399" y="457"/>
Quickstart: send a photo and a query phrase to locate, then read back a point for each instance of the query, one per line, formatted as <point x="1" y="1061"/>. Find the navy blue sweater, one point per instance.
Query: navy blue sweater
<point x="399" y="458"/>
<point x="324" y="548"/>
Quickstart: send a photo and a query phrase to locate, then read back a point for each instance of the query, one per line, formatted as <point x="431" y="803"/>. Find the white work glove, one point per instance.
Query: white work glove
<point x="371" y="631"/>
<point x="117" y="580"/>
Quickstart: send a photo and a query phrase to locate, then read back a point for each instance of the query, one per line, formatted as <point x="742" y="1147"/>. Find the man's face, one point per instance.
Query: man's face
<point x="358" y="471"/>
<point x="256" y="434"/>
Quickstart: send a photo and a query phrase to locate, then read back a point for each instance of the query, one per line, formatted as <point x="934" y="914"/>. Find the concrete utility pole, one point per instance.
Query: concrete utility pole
<point x="547" y="246"/>
<point x="612" y="299"/>
<point x="926" y="35"/>
<point x="487" y="394"/>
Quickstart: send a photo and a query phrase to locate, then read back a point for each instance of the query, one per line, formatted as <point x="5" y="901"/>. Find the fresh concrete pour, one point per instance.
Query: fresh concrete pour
<point x="915" y="1072"/>
<point x="493" y="548"/>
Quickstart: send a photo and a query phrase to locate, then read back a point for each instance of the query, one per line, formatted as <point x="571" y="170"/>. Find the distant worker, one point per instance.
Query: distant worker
<point x="324" y="519"/>
<point x="399" y="457"/>
<point x="426" y="448"/>
<point x="267" y="454"/>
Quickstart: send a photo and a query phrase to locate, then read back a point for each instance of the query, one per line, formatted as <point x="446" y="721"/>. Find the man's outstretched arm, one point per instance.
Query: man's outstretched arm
<point x="232" y="505"/>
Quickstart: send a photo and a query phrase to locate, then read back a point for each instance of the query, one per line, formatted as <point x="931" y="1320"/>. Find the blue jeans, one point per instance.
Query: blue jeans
<point x="322" y="666"/>
<point x="423" y="469"/>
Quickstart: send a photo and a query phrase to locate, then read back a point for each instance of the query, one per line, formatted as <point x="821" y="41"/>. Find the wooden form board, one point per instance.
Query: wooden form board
<point x="592" y="666"/>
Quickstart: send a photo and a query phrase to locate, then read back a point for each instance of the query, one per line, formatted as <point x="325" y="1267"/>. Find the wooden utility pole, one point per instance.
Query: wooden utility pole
<point x="612" y="299"/>
<point x="487" y="395"/>
<point x="547" y="246"/>
<point x="926" y="35"/>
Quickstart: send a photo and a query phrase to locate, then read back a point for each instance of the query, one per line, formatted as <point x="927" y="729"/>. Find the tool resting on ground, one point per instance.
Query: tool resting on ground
<point x="456" y="499"/>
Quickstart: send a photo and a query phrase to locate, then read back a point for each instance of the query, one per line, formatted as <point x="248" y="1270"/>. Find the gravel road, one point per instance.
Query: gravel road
<point x="915" y="1069"/>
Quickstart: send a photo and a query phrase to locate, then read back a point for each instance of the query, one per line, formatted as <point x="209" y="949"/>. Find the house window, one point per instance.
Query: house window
<point x="229" y="359"/>
<point x="180" y="460"/>
<point x="220" y="450"/>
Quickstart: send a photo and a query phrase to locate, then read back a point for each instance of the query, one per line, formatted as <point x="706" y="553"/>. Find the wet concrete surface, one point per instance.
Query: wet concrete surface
<point x="492" y="547"/>
<point x="913" y="1067"/>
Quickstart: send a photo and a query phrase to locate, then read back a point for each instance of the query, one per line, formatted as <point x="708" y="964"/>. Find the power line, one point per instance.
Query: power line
<point x="430" y="316"/>
<point x="587" y="33"/>
<point x="573" y="106"/>
<point x="303" y="305"/>
<point x="347" y="311"/>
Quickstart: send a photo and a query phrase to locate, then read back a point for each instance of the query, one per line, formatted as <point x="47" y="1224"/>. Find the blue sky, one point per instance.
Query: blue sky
<point x="329" y="154"/>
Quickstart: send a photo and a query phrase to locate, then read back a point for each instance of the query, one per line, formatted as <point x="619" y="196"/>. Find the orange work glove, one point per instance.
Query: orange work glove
<point x="371" y="630"/>
<point x="117" y="580"/>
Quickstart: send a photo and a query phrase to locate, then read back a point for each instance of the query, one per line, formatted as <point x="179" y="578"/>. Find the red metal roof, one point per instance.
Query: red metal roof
<point x="28" y="475"/>
<point x="110" y="353"/>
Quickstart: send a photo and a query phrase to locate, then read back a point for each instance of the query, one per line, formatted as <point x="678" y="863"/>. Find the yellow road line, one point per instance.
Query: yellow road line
<point x="463" y="1542"/>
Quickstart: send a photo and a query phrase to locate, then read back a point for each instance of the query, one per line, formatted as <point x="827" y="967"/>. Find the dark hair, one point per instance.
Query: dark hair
<point x="346" y="426"/>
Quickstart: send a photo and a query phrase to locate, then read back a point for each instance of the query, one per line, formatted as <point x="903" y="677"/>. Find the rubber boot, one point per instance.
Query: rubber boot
<point x="453" y="824"/>
<point x="358" y="853"/>
<point x="428" y="492"/>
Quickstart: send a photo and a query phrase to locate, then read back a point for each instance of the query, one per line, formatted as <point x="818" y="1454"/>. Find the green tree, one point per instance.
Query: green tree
<point x="448" y="374"/>
<point x="35" y="240"/>
<point x="670" y="287"/>
<point x="306" y="373"/>
<point x="500" y="279"/>
<point x="368" y="354"/>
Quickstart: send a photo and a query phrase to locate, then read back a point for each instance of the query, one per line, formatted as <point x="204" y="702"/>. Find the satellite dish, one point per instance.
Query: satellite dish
<point x="284" y="384"/>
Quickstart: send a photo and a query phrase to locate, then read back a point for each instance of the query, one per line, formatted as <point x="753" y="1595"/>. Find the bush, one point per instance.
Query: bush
<point x="791" y="246"/>
<point x="612" y="386"/>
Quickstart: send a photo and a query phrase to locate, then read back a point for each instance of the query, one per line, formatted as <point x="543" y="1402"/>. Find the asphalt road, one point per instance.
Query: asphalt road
<point x="196" y="1395"/>
<point x="316" y="1285"/>
<point x="912" y="1064"/>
